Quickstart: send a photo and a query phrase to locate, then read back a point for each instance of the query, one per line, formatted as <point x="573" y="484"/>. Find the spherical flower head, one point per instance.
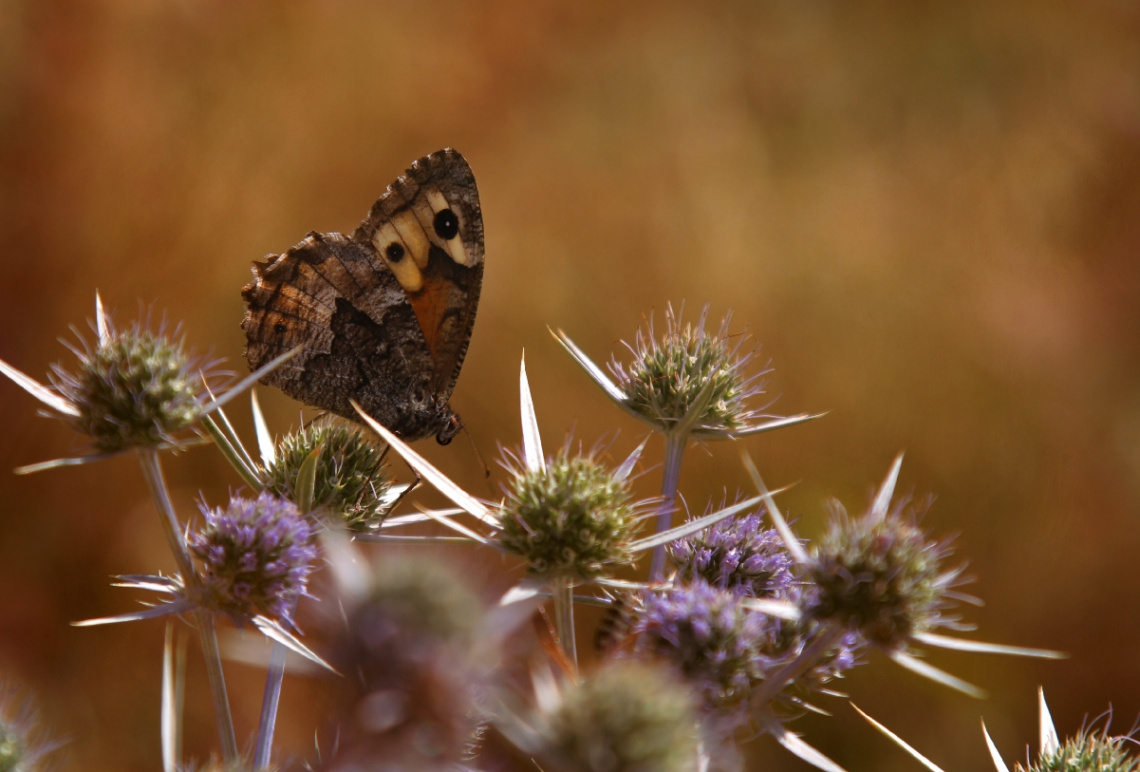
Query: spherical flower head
<point x="881" y="577"/>
<point x="573" y="520"/>
<point x="351" y="480"/>
<point x="134" y="388"/>
<point x="257" y="555"/>
<point x="666" y="377"/>
<point x="1089" y="751"/>
<point x="627" y="717"/>
<point x="410" y="681"/>
<point x="422" y="599"/>
<point x="736" y="554"/>
<point x="708" y="635"/>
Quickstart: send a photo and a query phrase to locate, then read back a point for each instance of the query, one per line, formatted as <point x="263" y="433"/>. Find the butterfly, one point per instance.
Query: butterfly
<point x="383" y="316"/>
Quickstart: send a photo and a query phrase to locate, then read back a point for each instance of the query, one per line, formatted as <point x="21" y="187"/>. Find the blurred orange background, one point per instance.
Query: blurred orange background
<point x="928" y="215"/>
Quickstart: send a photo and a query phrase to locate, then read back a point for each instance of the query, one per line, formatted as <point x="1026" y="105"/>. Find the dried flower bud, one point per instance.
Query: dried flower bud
<point x="257" y="555"/>
<point x="351" y="479"/>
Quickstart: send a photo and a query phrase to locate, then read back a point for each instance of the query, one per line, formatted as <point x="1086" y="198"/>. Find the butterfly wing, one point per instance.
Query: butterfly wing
<point x="428" y="229"/>
<point x="386" y="329"/>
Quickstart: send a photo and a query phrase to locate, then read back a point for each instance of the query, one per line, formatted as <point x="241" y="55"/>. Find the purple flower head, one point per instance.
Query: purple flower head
<point x="736" y="554"/>
<point x="708" y="635"/>
<point x="257" y="556"/>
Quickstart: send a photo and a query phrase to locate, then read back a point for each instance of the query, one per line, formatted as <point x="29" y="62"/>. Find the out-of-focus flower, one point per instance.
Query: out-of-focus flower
<point x="881" y="577"/>
<point x="626" y="717"/>
<point x="413" y="678"/>
<point x="23" y="740"/>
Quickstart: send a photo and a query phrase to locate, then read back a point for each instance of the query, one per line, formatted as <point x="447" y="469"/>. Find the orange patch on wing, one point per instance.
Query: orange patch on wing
<point x="430" y="303"/>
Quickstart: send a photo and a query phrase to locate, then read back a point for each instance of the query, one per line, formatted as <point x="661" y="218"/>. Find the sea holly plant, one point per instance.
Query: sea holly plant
<point x="567" y="517"/>
<point x="739" y="628"/>
<point x="691" y="384"/>
<point x="138" y="390"/>
<point x="1091" y="749"/>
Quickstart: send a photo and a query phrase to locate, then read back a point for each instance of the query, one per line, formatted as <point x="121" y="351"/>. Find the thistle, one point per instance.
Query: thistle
<point x="708" y="635"/>
<point x="627" y="717"/>
<point x="881" y="577"/>
<point x="573" y="519"/>
<point x="257" y="556"/>
<point x="736" y="554"/>
<point x="351" y="480"/>
<point x="132" y="389"/>
<point x="689" y="385"/>
<point x="1090" y="750"/>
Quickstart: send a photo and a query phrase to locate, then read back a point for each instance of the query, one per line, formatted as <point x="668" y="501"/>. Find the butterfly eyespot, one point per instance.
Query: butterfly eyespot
<point x="280" y="328"/>
<point x="395" y="251"/>
<point x="446" y="224"/>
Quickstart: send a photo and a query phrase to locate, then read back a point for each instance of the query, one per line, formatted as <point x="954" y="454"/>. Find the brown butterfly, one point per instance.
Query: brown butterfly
<point x="384" y="316"/>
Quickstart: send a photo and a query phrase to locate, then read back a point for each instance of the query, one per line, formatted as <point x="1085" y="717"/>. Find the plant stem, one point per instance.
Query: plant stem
<point x="564" y="619"/>
<point x="670" y="478"/>
<point x="807" y="659"/>
<point x="269" y="703"/>
<point x="152" y="473"/>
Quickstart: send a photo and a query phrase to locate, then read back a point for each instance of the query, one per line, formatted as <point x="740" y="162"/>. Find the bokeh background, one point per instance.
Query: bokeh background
<point x="927" y="215"/>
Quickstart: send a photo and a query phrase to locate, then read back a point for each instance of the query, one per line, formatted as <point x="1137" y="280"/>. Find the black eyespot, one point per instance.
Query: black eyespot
<point x="395" y="251"/>
<point x="446" y="224"/>
<point x="280" y="328"/>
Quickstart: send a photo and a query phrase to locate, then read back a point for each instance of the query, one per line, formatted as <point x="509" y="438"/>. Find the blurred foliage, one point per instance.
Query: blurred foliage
<point x="929" y="214"/>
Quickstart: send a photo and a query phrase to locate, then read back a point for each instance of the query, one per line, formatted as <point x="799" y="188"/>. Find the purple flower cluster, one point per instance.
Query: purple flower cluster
<point x="708" y="635"/>
<point x="257" y="555"/>
<point x="736" y="554"/>
<point x="704" y="626"/>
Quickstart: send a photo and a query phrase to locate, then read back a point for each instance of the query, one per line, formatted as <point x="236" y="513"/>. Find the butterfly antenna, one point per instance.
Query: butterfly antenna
<point x="478" y="455"/>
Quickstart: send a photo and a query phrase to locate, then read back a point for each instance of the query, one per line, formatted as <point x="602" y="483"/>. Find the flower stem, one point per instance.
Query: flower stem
<point x="671" y="476"/>
<point x="269" y="703"/>
<point x="152" y="473"/>
<point x="564" y="619"/>
<point x="807" y="658"/>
